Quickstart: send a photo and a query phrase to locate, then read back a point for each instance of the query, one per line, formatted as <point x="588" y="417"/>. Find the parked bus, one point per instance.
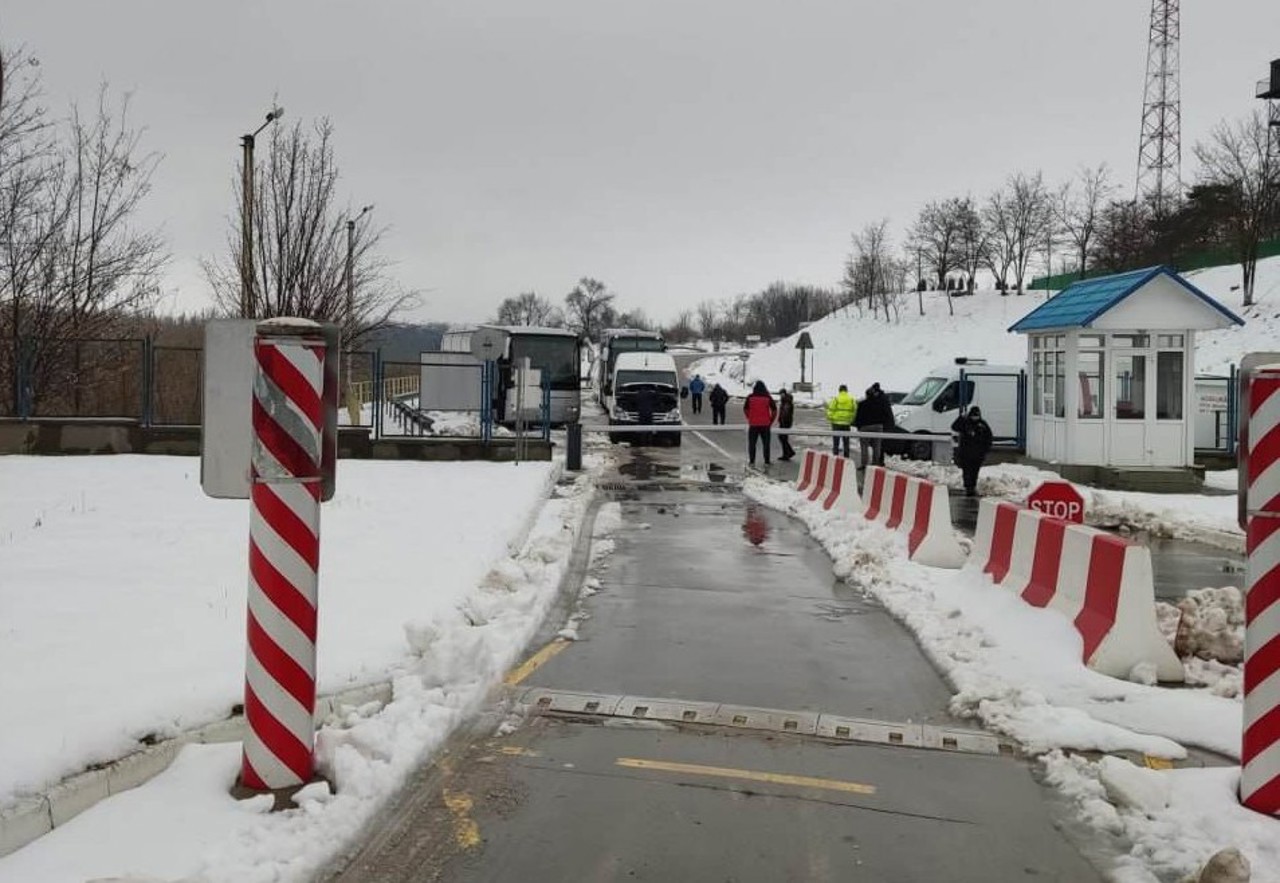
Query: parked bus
<point x="554" y="352"/>
<point x="621" y="340"/>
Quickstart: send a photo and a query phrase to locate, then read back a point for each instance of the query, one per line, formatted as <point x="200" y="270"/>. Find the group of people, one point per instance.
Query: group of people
<point x="872" y="414"/>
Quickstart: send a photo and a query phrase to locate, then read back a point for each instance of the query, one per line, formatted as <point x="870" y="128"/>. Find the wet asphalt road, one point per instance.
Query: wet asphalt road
<point x="707" y="597"/>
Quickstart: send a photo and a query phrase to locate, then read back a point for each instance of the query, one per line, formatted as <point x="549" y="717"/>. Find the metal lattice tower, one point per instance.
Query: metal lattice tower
<point x="1160" y="147"/>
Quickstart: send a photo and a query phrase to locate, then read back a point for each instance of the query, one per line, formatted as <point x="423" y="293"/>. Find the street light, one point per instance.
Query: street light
<point x="350" y="324"/>
<point x="246" y="220"/>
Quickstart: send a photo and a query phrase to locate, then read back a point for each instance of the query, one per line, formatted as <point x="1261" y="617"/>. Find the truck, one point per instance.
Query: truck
<point x="936" y="401"/>
<point x="613" y="342"/>
<point x="637" y="373"/>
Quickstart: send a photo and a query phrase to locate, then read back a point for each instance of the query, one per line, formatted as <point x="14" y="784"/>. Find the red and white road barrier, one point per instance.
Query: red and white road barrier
<point x="1099" y="581"/>
<point x="807" y="461"/>
<point x="834" y="484"/>
<point x="920" y="507"/>
<point x="1260" y="777"/>
<point x="284" y="555"/>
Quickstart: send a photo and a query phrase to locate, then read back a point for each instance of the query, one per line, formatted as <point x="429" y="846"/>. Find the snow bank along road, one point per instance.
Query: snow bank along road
<point x="720" y="707"/>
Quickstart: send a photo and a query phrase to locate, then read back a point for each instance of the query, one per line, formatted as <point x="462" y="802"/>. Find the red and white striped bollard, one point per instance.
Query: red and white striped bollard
<point x="284" y="554"/>
<point x="1260" y="777"/>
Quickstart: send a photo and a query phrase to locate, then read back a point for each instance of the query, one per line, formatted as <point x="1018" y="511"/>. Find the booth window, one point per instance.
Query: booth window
<point x="1046" y="381"/>
<point x="1091" y="366"/>
<point x="1131" y="386"/>
<point x="1169" y="385"/>
<point x="1060" y="385"/>
<point x="1130" y="341"/>
<point x="1037" y="370"/>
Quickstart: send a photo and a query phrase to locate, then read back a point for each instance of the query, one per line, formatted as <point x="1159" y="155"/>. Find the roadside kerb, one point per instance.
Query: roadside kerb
<point x="30" y="818"/>
<point x="1100" y="582"/>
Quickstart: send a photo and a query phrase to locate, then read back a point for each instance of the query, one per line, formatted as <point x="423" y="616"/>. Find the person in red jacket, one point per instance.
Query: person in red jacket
<point x="761" y="411"/>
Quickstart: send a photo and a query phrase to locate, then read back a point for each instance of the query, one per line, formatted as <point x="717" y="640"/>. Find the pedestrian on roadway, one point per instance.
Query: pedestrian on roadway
<point x="841" y="411"/>
<point x="697" y="386"/>
<point x="761" y="411"/>
<point x="875" y="414"/>
<point x="719" y="401"/>
<point x="786" y="416"/>
<point x="973" y="441"/>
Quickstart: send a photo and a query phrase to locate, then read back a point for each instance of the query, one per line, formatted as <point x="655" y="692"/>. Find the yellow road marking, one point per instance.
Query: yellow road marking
<point x="535" y="662"/>
<point x="1157" y="763"/>
<point x="466" y="833"/>
<point x="518" y="751"/>
<point x="695" y="769"/>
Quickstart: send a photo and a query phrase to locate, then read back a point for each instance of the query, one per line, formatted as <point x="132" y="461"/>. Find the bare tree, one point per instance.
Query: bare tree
<point x="589" y="307"/>
<point x="529" y="308"/>
<point x="936" y="235"/>
<point x="869" y="270"/>
<point x="972" y="245"/>
<point x="1078" y="211"/>
<point x="1018" y="216"/>
<point x="300" y="243"/>
<point x="708" y="313"/>
<point x="71" y="253"/>
<point x="682" y="329"/>
<point x="1237" y="160"/>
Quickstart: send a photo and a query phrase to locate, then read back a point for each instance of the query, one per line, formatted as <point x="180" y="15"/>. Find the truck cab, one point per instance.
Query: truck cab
<point x="937" y="400"/>
<point x="638" y="376"/>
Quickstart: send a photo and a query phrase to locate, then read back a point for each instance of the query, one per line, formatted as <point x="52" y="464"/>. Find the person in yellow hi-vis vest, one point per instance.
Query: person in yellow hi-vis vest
<point x="840" y="413"/>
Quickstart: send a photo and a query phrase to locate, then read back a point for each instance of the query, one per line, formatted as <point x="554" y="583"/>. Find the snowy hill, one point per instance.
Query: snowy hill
<point x="859" y="350"/>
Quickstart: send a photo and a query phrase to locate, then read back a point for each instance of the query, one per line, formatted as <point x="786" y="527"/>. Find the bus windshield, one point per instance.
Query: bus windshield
<point x="555" y="357"/>
<point x="637" y="344"/>
<point x="657" y="378"/>
<point x="925" y="391"/>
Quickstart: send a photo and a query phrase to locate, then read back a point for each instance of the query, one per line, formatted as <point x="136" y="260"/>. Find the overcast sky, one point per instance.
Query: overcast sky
<point x="676" y="150"/>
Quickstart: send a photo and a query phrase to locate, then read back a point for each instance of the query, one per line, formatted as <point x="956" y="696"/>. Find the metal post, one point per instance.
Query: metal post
<point x="148" y="379"/>
<point x="378" y="370"/>
<point x="246" y="229"/>
<point x="284" y="554"/>
<point x="546" y="409"/>
<point x="573" y="447"/>
<point x="1260" y="757"/>
<point x="1233" y="404"/>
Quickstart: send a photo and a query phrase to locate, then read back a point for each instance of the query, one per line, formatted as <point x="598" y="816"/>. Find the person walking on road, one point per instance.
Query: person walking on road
<point x="841" y="411"/>
<point x="697" y="386"/>
<point x="973" y="441"/>
<point x="719" y="401"/>
<point x="786" y="416"/>
<point x="761" y="411"/>
<point x="875" y="414"/>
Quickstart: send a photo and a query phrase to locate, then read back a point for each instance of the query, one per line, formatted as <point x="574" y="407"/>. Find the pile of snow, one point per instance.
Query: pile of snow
<point x="858" y="349"/>
<point x="1210" y="624"/>
<point x="1018" y="670"/>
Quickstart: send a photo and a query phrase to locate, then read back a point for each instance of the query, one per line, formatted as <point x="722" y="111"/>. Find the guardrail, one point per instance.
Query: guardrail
<point x="363" y="391"/>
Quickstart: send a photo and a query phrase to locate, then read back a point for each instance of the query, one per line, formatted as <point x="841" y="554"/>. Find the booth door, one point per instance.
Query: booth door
<point x="1132" y="409"/>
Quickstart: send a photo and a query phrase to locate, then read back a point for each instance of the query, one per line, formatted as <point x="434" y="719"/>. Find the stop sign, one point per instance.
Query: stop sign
<point x="1058" y="499"/>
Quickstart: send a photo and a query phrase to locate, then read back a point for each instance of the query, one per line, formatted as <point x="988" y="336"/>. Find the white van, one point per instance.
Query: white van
<point x="936" y="401"/>
<point x="637" y="372"/>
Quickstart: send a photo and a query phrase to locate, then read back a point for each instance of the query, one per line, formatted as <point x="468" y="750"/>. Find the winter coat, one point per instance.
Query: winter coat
<point x="974" y="438"/>
<point x="697" y="386"/>
<point x="841" y="410"/>
<point x="786" y="410"/>
<point x="719" y="397"/>
<point x="760" y="409"/>
<point x="874" y="410"/>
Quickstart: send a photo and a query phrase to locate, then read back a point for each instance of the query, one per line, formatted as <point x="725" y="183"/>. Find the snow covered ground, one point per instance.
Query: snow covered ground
<point x="859" y="349"/>
<point x="123" y="591"/>
<point x="1017" y="669"/>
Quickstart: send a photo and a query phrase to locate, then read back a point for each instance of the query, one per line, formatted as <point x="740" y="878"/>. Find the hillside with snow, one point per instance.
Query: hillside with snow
<point x="859" y="349"/>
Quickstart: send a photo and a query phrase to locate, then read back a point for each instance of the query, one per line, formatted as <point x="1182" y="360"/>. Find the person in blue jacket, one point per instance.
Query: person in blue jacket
<point x="697" y="386"/>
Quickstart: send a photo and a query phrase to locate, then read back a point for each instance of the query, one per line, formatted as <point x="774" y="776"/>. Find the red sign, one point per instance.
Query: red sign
<point x="1058" y="499"/>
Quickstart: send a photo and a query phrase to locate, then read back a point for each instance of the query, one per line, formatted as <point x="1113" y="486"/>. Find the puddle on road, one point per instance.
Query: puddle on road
<point x="755" y="527"/>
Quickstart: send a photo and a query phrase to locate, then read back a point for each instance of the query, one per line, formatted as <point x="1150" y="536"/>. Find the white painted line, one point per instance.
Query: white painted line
<point x="714" y="445"/>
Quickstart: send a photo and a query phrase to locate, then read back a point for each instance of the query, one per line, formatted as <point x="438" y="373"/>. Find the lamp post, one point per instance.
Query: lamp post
<point x="349" y="325"/>
<point x="246" y="216"/>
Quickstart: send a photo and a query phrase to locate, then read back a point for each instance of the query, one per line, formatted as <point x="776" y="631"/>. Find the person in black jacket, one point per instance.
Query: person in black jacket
<point x="719" y="399"/>
<point x="786" y="416"/>
<point x="973" y="441"/>
<point x="875" y="414"/>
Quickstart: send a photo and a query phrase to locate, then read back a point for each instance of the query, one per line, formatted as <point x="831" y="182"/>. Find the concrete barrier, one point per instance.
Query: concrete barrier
<point x="919" y="507"/>
<point x="1102" y="583"/>
<point x="805" y="478"/>
<point x="821" y="466"/>
<point x="841" y="489"/>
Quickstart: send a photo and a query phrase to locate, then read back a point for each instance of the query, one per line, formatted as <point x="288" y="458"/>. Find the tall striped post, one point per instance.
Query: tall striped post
<point x="1260" y="778"/>
<point x="284" y="554"/>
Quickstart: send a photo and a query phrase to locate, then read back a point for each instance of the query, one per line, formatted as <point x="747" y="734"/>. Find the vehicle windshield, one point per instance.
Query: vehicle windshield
<point x="555" y="357"/>
<point x="637" y="345"/>
<point x="925" y="391"/>
<point x="657" y="378"/>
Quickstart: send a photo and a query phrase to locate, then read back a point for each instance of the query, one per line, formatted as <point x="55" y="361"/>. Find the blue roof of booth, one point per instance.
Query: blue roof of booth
<point x="1081" y="303"/>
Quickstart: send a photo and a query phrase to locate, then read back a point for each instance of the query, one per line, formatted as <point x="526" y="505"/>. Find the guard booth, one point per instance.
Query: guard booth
<point x="1112" y="370"/>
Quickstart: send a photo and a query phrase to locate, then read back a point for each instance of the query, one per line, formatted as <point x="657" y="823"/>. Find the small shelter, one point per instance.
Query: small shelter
<point x="1112" y="370"/>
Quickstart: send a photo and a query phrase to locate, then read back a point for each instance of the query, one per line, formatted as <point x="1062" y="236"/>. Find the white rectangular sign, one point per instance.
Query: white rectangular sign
<point x="226" y="441"/>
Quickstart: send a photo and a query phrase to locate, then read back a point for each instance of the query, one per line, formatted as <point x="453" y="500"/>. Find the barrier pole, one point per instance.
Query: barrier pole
<point x="1260" y="777"/>
<point x="284" y="555"/>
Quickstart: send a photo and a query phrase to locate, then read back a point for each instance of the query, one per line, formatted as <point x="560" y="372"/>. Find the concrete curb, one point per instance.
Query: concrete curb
<point x="30" y="818"/>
